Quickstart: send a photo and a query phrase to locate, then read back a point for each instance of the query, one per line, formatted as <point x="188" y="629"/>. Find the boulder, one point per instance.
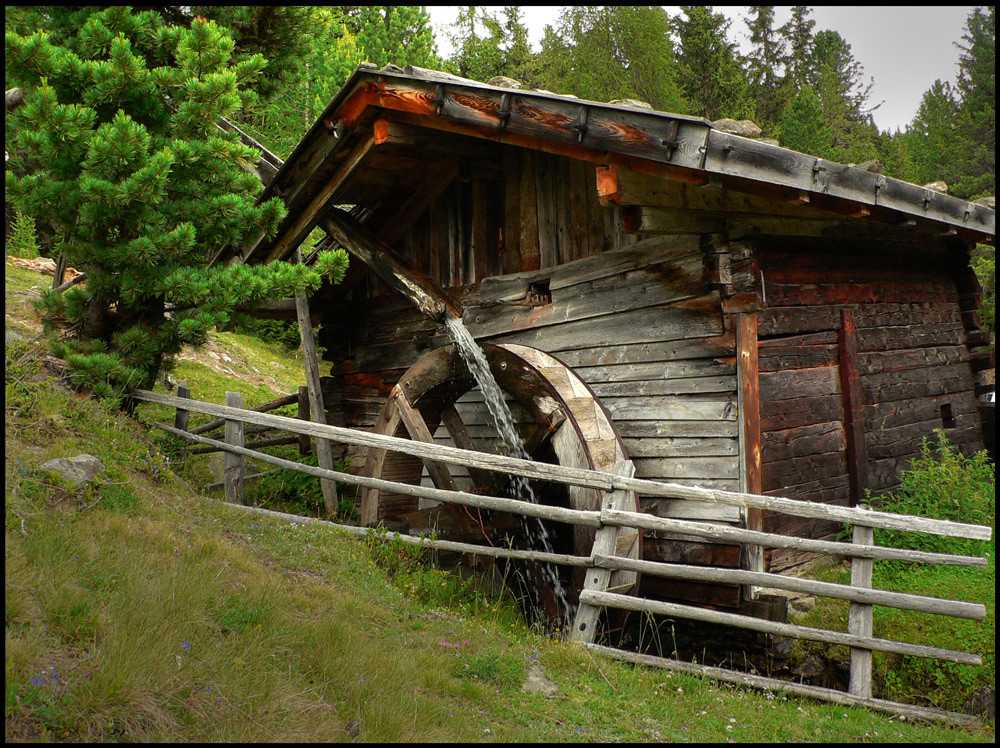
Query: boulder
<point x="536" y="682"/>
<point x="633" y="103"/>
<point x="874" y="166"/>
<point x="769" y="141"/>
<point x="990" y="201"/>
<point x="504" y="82"/>
<point x="983" y="702"/>
<point x="75" y="470"/>
<point x="937" y="186"/>
<point x="744" y="127"/>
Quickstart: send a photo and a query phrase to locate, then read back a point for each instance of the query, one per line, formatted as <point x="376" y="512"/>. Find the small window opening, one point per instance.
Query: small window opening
<point x="947" y="417"/>
<point x="539" y="293"/>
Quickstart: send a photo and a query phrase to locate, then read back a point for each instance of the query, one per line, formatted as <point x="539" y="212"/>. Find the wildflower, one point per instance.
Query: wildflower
<point x="684" y="728"/>
<point x="186" y="645"/>
<point x="39" y="681"/>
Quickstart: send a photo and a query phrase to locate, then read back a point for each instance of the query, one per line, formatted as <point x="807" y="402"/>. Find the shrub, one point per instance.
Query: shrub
<point x="22" y="241"/>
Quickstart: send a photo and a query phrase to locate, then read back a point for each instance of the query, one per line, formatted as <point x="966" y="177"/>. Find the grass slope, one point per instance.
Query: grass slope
<point x="136" y="609"/>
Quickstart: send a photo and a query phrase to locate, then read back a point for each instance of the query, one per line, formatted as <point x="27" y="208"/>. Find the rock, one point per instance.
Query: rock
<point x="769" y="141"/>
<point x="75" y="470"/>
<point x="536" y="682"/>
<point x="744" y="127"/>
<point x="802" y="604"/>
<point x="982" y="701"/>
<point x="353" y="728"/>
<point x="874" y="166"/>
<point x="12" y="337"/>
<point x="633" y="103"/>
<point x="937" y="186"/>
<point x="503" y="82"/>
<point x="990" y="201"/>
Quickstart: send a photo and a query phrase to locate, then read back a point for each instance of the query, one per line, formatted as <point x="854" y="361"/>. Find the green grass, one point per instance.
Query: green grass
<point x="138" y="610"/>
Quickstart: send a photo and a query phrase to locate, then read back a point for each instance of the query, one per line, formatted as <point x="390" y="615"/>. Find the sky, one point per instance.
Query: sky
<point x="904" y="48"/>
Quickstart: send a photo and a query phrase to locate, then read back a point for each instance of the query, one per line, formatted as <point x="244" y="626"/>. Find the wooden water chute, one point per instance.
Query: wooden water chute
<point x="747" y="317"/>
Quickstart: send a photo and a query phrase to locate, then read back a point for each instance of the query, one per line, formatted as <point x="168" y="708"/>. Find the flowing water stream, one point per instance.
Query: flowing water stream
<point x="512" y="446"/>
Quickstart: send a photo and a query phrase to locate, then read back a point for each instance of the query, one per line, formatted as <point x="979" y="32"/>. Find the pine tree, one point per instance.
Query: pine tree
<point x="502" y="50"/>
<point x="710" y="71"/>
<point x="612" y="52"/>
<point x="932" y="137"/>
<point x="394" y="34"/>
<point x="798" y="35"/>
<point x="803" y="128"/>
<point x="975" y="163"/>
<point x="766" y="65"/>
<point x="119" y="157"/>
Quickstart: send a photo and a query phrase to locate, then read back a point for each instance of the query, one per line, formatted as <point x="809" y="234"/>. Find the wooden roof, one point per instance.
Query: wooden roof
<point x="391" y="139"/>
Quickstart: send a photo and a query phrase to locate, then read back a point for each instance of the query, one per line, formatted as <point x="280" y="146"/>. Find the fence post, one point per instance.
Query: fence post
<point x="233" y="472"/>
<point x="605" y="543"/>
<point x="181" y="419"/>
<point x="859" y="617"/>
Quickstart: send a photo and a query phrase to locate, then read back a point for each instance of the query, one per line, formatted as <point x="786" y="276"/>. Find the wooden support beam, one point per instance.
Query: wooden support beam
<point x="306" y="218"/>
<point x="456" y="427"/>
<point x="324" y="454"/>
<point x="854" y="410"/>
<point x="747" y="368"/>
<point x="424" y="293"/>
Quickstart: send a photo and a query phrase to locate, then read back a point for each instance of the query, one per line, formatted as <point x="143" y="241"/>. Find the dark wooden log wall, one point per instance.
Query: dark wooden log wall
<point x="912" y="365"/>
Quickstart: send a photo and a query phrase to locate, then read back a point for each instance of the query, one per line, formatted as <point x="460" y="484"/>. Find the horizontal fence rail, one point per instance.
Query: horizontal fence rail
<point x="608" y="522"/>
<point x="578" y="476"/>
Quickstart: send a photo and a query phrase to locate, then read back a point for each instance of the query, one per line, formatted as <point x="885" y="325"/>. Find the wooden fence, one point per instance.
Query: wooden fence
<point x="608" y="522"/>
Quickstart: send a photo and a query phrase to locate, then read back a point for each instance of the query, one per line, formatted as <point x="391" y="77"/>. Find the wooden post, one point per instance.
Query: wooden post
<point x="303" y="415"/>
<point x="233" y="472"/>
<point x="854" y="410"/>
<point x="181" y="419"/>
<point x="749" y="430"/>
<point x="605" y="543"/>
<point x="859" y="617"/>
<point x="324" y="455"/>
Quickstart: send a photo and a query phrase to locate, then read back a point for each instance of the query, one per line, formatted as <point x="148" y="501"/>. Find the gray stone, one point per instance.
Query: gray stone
<point x="769" y="141"/>
<point x="937" y="186"/>
<point x="12" y="337"/>
<point x="504" y="82"/>
<point x="536" y="682"/>
<point x="633" y="103"/>
<point x="75" y="470"/>
<point x="874" y="166"/>
<point x="990" y="201"/>
<point x="802" y="604"/>
<point x="744" y="127"/>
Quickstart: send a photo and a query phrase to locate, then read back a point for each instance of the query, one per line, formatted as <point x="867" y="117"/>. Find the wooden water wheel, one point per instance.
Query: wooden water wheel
<point x="559" y="419"/>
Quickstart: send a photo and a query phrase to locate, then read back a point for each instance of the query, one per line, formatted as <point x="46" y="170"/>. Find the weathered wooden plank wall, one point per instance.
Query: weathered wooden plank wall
<point x="634" y="316"/>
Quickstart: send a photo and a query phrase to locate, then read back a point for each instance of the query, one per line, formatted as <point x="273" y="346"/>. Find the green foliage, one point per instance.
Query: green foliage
<point x="709" y="67"/>
<point x="117" y="155"/>
<point x="604" y="53"/>
<point x="984" y="264"/>
<point x="803" y="128"/>
<point x="502" y="50"/>
<point x="945" y="484"/>
<point x="298" y="493"/>
<point x="22" y="241"/>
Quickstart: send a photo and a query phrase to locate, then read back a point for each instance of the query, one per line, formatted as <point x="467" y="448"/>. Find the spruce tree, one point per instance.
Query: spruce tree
<point x="710" y="70"/>
<point x="766" y="65"/>
<point x="797" y="33"/>
<point x="612" y="52"/>
<point x="119" y="157"/>
<point x="803" y="128"/>
<point x="975" y="163"/>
